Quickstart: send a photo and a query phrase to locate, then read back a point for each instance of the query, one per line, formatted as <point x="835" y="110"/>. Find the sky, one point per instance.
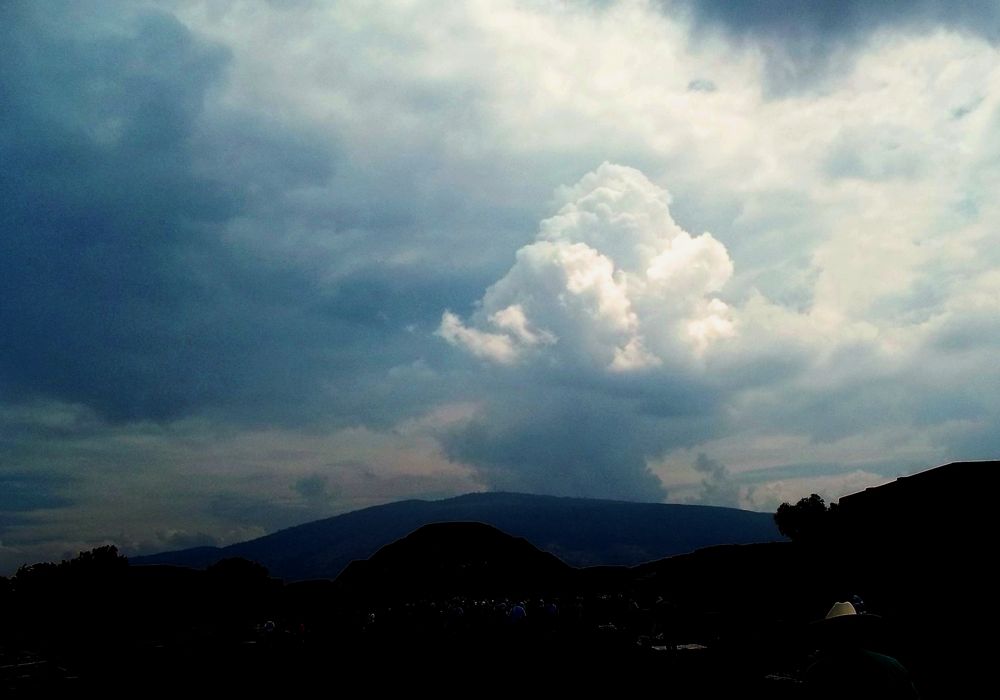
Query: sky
<point x="267" y="262"/>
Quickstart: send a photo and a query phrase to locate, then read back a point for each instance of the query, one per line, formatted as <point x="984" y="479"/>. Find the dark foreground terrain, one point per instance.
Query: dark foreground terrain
<point x="464" y="607"/>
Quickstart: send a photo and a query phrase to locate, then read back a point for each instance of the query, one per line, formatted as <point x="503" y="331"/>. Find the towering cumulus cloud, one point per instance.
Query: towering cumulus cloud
<point x="602" y="330"/>
<point x="611" y="282"/>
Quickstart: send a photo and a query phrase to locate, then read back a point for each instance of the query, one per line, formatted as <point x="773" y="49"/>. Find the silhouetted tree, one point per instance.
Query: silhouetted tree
<point x="98" y="560"/>
<point x="809" y="520"/>
<point x="97" y="563"/>
<point x="36" y="578"/>
<point x="91" y="578"/>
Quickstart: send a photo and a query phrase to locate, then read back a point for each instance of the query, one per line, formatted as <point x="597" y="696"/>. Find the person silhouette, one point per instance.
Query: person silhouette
<point x="845" y="666"/>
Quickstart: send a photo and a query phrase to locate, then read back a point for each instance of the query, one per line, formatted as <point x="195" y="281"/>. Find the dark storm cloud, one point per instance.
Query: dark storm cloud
<point x="561" y="441"/>
<point x="123" y="289"/>
<point x="10" y="520"/>
<point x="832" y="414"/>
<point x="100" y="209"/>
<point x="801" y="40"/>
<point x="24" y="492"/>
<point x="718" y="487"/>
<point x="313" y="489"/>
<point x="551" y="429"/>
<point x="843" y="19"/>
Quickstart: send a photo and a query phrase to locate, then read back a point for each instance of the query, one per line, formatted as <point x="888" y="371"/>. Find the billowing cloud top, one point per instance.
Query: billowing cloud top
<point x="611" y="281"/>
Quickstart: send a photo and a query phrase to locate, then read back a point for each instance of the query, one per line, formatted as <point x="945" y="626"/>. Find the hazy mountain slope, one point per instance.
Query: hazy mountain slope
<point x="580" y="531"/>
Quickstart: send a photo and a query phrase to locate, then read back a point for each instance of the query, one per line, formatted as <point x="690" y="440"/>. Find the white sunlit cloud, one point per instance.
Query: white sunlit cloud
<point x="611" y="281"/>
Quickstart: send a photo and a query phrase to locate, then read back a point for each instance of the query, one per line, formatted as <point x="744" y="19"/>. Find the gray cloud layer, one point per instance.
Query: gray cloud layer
<point x="832" y="20"/>
<point x="804" y="41"/>
<point x="228" y="236"/>
<point x="124" y="288"/>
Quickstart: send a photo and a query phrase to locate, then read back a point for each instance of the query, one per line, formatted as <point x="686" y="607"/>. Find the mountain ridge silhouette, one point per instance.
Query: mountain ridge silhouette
<point x="580" y="531"/>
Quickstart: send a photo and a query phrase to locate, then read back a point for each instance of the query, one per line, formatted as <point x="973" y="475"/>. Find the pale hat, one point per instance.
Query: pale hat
<point x="840" y="609"/>
<point x="844" y="624"/>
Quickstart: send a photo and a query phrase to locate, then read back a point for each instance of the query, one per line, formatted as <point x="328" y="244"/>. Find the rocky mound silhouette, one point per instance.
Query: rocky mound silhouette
<point x="445" y="559"/>
<point x="580" y="531"/>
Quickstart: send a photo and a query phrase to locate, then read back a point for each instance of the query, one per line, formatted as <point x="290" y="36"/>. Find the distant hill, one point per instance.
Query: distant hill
<point x="579" y="531"/>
